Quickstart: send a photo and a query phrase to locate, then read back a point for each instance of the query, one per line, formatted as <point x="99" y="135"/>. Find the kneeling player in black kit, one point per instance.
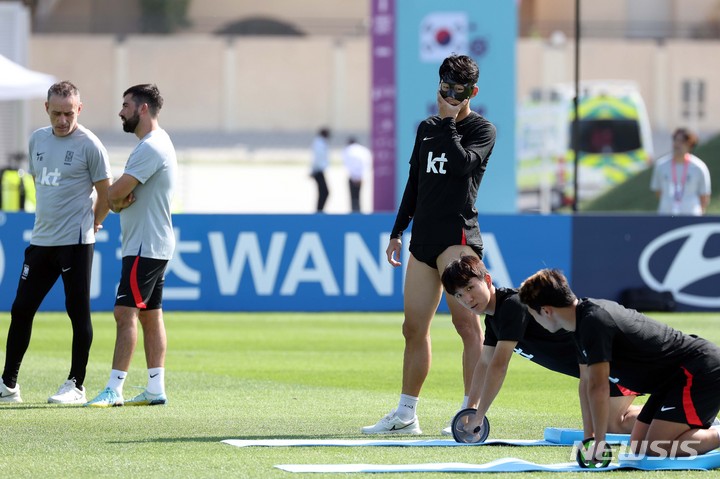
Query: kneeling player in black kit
<point x="680" y="372"/>
<point x="509" y="329"/>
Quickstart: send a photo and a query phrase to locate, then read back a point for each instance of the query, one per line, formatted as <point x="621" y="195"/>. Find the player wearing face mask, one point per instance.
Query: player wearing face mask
<point x="448" y="162"/>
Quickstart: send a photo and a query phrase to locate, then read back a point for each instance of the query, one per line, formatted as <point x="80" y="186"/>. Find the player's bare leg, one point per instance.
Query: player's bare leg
<point x="422" y="297"/>
<point x="622" y="414"/>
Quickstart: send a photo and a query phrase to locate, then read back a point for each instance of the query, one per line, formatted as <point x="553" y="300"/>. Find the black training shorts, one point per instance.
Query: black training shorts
<point x="141" y="283"/>
<point x="686" y="399"/>
<point x="428" y="253"/>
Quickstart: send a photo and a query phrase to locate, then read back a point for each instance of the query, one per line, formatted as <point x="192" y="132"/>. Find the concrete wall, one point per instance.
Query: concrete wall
<point x="257" y="84"/>
<point x="623" y="18"/>
<point x="606" y="18"/>
<point x="212" y="84"/>
<point x="308" y="15"/>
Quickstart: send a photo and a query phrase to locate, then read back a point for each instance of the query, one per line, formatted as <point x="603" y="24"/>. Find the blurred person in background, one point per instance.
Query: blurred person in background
<point x="357" y="160"/>
<point x="681" y="180"/>
<point x="17" y="186"/>
<point x="72" y="174"/>
<point x="320" y="163"/>
<point x="447" y="164"/>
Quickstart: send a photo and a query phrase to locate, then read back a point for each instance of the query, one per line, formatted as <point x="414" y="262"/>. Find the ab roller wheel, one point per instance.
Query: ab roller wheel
<point x="477" y="436"/>
<point x="589" y="463"/>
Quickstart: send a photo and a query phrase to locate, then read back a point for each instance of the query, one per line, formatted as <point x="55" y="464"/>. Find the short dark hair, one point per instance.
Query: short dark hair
<point x="63" y="89"/>
<point x="691" y="139"/>
<point x="146" y="93"/>
<point x="461" y="68"/>
<point x="547" y="287"/>
<point x="459" y="272"/>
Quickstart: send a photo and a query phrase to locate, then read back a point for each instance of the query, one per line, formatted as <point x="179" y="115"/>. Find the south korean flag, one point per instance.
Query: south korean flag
<point x="442" y="34"/>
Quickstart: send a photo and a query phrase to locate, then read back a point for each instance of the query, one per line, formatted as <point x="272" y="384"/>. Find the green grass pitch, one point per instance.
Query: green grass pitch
<point x="243" y="375"/>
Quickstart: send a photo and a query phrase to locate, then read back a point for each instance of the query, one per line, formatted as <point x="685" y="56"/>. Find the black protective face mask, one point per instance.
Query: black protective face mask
<point x="459" y="91"/>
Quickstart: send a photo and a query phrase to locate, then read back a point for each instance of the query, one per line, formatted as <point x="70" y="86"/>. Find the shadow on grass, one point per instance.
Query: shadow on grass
<point x="222" y="438"/>
<point x="40" y="406"/>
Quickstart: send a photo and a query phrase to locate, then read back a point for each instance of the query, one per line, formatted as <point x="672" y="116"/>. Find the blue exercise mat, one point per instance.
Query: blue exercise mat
<point x="568" y="437"/>
<point x="703" y="462"/>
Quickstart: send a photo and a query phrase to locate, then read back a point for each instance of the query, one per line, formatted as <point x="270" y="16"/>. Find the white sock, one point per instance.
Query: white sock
<point x="465" y="403"/>
<point x="117" y="380"/>
<point x="156" y="381"/>
<point x="407" y="407"/>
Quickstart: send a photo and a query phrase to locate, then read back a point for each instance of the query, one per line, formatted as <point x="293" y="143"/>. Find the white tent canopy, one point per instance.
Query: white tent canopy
<point x="19" y="83"/>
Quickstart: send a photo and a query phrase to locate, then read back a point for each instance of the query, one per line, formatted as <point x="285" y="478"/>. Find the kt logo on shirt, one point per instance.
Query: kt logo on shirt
<point x="436" y="165"/>
<point x="49" y="178"/>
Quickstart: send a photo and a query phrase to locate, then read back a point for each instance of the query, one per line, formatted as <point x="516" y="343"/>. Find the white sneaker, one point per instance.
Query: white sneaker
<point x="391" y="424"/>
<point x="9" y="395"/>
<point x="69" y="393"/>
<point x="107" y="398"/>
<point x="447" y="430"/>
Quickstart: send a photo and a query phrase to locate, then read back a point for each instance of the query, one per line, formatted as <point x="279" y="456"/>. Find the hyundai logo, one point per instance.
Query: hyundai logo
<point x="687" y="267"/>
